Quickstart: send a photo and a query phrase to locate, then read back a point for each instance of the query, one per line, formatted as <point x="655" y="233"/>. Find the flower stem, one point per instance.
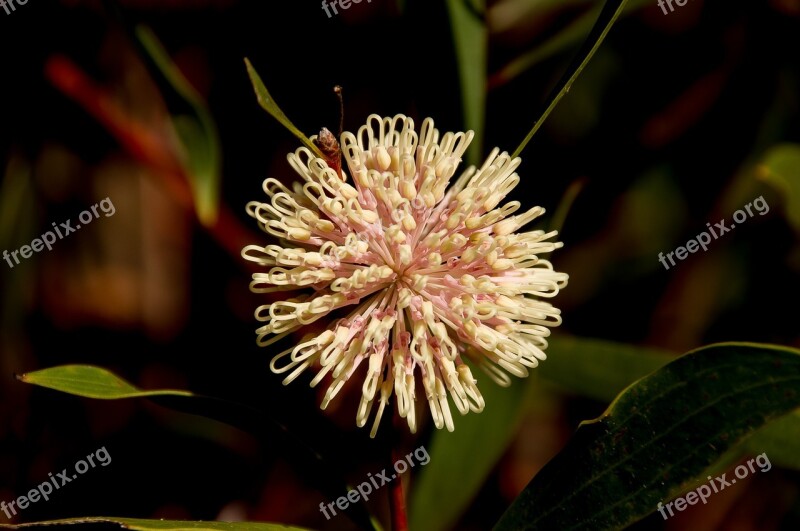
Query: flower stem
<point x="397" y="500"/>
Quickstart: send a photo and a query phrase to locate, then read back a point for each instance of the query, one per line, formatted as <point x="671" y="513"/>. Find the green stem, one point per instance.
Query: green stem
<point x="609" y="14"/>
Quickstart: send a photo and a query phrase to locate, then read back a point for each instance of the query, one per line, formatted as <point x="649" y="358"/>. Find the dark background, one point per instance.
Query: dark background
<point x="661" y="127"/>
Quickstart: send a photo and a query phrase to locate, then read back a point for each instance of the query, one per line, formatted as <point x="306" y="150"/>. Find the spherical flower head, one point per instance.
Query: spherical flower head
<point x="420" y="276"/>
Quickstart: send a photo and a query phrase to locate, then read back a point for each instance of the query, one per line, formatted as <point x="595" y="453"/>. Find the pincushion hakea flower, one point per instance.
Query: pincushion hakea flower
<point x="421" y="275"/>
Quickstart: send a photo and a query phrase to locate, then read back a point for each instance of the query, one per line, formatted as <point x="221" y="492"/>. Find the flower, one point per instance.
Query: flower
<point x="421" y="275"/>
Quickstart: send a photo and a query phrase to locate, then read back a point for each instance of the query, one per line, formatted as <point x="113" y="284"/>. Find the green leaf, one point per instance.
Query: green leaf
<point x="780" y="439"/>
<point x="268" y="103"/>
<point x="565" y="204"/>
<point x="159" y="525"/>
<point x="781" y="169"/>
<point x="596" y="368"/>
<point x="460" y="461"/>
<point x="16" y="202"/>
<point x="90" y="382"/>
<point x="193" y="124"/>
<point x="658" y="436"/>
<point x="471" y="44"/>
<point x="609" y="14"/>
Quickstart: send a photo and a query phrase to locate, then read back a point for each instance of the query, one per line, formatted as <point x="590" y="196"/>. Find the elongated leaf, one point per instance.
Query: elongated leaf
<point x="268" y="103"/>
<point x="15" y="202"/>
<point x="471" y="44"/>
<point x="570" y="35"/>
<point x="194" y="126"/>
<point x="158" y="525"/>
<point x="781" y="168"/>
<point x="18" y="226"/>
<point x="609" y="14"/>
<point x="565" y="205"/>
<point x="598" y="369"/>
<point x="90" y="382"/>
<point x="95" y="382"/>
<point x="658" y="436"/>
<point x="460" y="461"/>
<point x="780" y="439"/>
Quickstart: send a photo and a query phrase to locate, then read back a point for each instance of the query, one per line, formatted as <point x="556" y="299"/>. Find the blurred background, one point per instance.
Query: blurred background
<point x="679" y="120"/>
